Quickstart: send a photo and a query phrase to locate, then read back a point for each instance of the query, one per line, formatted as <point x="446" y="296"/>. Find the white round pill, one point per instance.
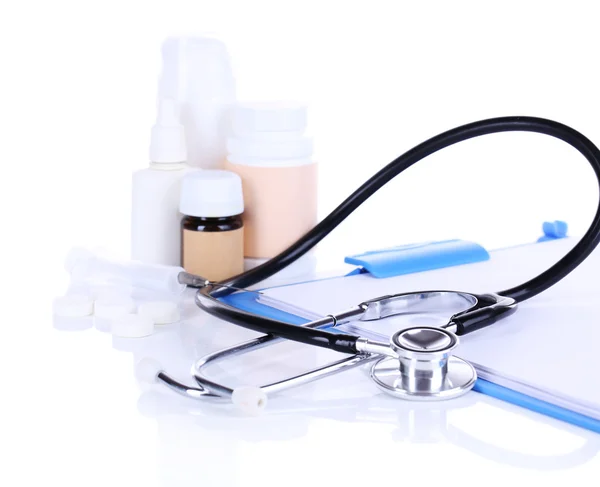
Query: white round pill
<point x="160" y="312"/>
<point x="113" y="307"/>
<point x="132" y="326"/>
<point x="102" y="324"/>
<point x="76" y="305"/>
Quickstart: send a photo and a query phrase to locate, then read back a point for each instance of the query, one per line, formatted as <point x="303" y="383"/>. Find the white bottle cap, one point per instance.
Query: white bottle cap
<point x="211" y="193"/>
<point x="269" y="131"/>
<point x="167" y="143"/>
<point x="279" y="116"/>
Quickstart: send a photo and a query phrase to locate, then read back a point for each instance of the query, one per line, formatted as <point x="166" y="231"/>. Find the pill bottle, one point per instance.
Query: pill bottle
<point x="212" y="231"/>
<point x="273" y="157"/>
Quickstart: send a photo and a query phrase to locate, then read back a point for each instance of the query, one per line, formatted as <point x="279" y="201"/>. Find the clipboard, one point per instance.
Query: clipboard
<point x="415" y="266"/>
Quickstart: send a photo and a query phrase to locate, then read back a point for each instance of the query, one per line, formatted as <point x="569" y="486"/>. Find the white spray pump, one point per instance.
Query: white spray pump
<point x="167" y="142"/>
<point x="155" y="217"/>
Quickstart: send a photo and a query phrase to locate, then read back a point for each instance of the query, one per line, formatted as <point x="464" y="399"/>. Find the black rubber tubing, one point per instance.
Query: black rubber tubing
<point x="207" y="298"/>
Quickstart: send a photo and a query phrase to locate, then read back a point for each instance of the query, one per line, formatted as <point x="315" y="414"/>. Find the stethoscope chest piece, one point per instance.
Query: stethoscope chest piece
<point x="424" y="369"/>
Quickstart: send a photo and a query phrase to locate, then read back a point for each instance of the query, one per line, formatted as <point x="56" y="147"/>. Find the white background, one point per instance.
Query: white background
<point x="77" y="99"/>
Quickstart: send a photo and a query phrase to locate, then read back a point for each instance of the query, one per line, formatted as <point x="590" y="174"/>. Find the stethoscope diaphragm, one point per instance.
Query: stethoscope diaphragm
<point x="424" y="369"/>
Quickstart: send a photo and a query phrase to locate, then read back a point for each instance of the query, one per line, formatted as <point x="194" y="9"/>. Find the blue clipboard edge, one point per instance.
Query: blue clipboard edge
<point x="508" y="395"/>
<point x="247" y="302"/>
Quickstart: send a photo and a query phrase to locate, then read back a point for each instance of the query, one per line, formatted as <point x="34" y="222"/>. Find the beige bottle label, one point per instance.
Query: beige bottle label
<point x="213" y="255"/>
<point x="280" y="205"/>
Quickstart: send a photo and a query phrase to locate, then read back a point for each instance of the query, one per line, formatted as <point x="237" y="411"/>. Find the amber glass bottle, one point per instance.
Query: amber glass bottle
<point x="212" y="234"/>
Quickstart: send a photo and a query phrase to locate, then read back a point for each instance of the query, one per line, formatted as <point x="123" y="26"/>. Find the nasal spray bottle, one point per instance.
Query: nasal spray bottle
<point x="155" y="217"/>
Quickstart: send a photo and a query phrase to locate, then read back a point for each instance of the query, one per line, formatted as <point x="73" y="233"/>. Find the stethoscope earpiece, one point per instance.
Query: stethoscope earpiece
<point x="424" y="369"/>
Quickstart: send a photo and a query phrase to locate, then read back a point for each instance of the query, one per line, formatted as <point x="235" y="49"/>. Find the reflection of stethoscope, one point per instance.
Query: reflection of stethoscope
<point x="414" y="424"/>
<point x="417" y="362"/>
<point x="292" y="416"/>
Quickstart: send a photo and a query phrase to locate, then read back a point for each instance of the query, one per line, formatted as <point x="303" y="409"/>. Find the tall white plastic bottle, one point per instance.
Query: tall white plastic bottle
<point x="197" y="73"/>
<point x="155" y="217"/>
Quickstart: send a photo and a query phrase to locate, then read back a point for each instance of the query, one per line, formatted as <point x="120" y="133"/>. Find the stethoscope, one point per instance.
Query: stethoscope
<point x="417" y="362"/>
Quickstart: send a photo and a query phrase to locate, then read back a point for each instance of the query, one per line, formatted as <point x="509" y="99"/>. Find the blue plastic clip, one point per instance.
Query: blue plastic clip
<point x="554" y="230"/>
<point x="408" y="259"/>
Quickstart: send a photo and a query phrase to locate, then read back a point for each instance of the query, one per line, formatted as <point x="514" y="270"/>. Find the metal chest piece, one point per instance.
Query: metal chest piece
<point x="424" y="370"/>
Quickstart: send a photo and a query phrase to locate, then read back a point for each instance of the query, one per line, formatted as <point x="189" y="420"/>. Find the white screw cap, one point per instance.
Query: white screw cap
<point x="277" y="116"/>
<point x="211" y="193"/>
<point x="249" y="399"/>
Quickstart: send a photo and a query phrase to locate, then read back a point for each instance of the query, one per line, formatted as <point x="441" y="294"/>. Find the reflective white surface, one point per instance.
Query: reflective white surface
<point x="80" y="414"/>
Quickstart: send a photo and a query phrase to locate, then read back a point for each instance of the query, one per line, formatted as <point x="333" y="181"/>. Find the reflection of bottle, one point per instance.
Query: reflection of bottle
<point x="273" y="158"/>
<point x="196" y="72"/>
<point x="155" y="192"/>
<point x="212" y="242"/>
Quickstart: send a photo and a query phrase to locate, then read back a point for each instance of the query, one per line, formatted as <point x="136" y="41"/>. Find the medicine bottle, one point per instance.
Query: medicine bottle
<point x="212" y="233"/>
<point x="269" y="151"/>
<point x="155" y="191"/>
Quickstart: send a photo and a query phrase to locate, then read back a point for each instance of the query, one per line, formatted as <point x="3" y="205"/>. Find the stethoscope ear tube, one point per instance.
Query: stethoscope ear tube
<point x="207" y="298"/>
<point x="320" y="338"/>
<point x="489" y="309"/>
